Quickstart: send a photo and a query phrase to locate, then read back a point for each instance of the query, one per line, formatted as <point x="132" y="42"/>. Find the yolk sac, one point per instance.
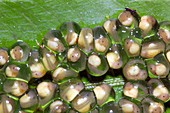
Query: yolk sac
<point x="158" y="89"/>
<point x="152" y="105"/>
<point x="136" y="89"/>
<point x="73" y="54"/>
<point x="130" y="90"/>
<point x="29" y="99"/>
<point x="69" y="90"/>
<point x="37" y="70"/>
<point x="85" y="41"/>
<point x="97" y="65"/>
<point x="20" y="51"/>
<point x="70" y="31"/>
<point x="7" y="105"/>
<point x="62" y="73"/>
<point x="55" y="45"/>
<point x="151" y="49"/>
<point x="132" y="48"/>
<point x="111" y="28"/>
<point x="94" y="60"/>
<point x="114" y="60"/>
<point x="53" y="40"/>
<point x="15" y="87"/>
<point x="161" y="92"/>
<point x="76" y="59"/>
<point x="45" y="89"/>
<point x="12" y="70"/>
<point x="84" y="102"/>
<point x="101" y="44"/>
<point x="3" y="57"/>
<point x="101" y="40"/>
<point x="158" y="69"/>
<point x="164" y="31"/>
<point x="126" y="18"/>
<point x="128" y="106"/>
<point x="147" y="23"/>
<point x="155" y="108"/>
<point x="49" y="59"/>
<point x="58" y="107"/>
<point x="36" y="66"/>
<point x="17" y="53"/>
<point x="164" y="35"/>
<point x="168" y="55"/>
<point x="102" y="93"/>
<point x="132" y="71"/>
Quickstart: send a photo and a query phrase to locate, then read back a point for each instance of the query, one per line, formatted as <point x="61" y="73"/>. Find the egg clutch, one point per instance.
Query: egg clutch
<point x="55" y="76"/>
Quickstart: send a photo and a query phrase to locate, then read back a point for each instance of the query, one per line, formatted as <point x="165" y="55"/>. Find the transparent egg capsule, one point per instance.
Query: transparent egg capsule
<point x="16" y="70"/>
<point x="46" y="91"/>
<point x="76" y="59"/>
<point x="148" y="25"/>
<point x="152" y="105"/>
<point x="63" y="72"/>
<point x="158" y="89"/>
<point x="29" y="100"/>
<point x="151" y="47"/>
<point x="70" y="89"/>
<point x="20" y="51"/>
<point x="36" y="66"/>
<point x="135" y="69"/>
<point x="167" y="53"/>
<point x="101" y="40"/>
<point x="116" y="56"/>
<point x="86" y="40"/>
<point x="164" y="31"/>
<point x="97" y="65"/>
<point x="54" y="41"/>
<point x="2" y="80"/>
<point x="129" y="18"/>
<point x="49" y="59"/>
<point x="111" y="27"/>
<point x="158" y="67"/>
<point x="110" y="107"/>
<point x="103" y="93"/>
<point x="95" y="111"/>
<point x="72" y="111"/>
<point x="129" y="106"/>
<point x="57" y="106"/>
<point x="70" y="30"/>
<point x="132" y="47"/>
<point x="4" y="57"/>
<point x="84" y="102"/>
<point x="7" y="105"/>
<point x="15" y="87"/>
<point x="135" y="89"/>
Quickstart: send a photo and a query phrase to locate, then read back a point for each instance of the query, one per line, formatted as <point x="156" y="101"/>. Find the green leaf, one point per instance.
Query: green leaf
<point x="167" y="110"/>
<point x="28" y="20"/>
